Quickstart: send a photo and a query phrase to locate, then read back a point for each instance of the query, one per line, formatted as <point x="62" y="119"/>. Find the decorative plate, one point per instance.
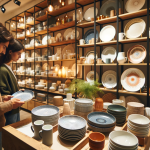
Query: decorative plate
<point x="109" y="97"/>
<point x="89" y="35"/>
<point x="45" y="67"/>
<point x="136" y="54"/>
<point x="73" y="33"/>
<point x="131" y="99"/>
<point x="109" y="79"/>
<point x="134" y="5"/>
<point x="109" y="52"/>
<point x="73" y="69"/>
<point x="108" y="6"/>
<point x="44" y="40"/>
<point x="132" y="79"/>
<point x="135" y="28"/>
<point x="90" y="54"/>
<point x="58" y="35"/>
<point x="89" y="13"/>
<point x="24" y="96"/>
<point x="32" y="42"/>
<point x="68" y="47"/>
<point x="107" y="33"/>
<point x="68" y="33"/>
<point x="90" y="76"/>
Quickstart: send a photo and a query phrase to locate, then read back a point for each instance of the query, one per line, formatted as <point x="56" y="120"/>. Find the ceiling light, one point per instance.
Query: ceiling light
<point x="3" y="9"/>
<point x="17" y="2"/>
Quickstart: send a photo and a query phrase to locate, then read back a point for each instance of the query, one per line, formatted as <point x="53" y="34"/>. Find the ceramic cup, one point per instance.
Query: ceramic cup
<point x="121" y="36"/>
<point x="46" y="134"/>
<point x="37" y="126"/>
<point x="98" y="104"/>
<point x="112" y="13"/>
<point x="49" y="57"/>
<point x="92" y="40"/>
<point x="121" y="58"/>
<point x="99" y="61"/>
<point x="82" y="41"/>
<point x="58" y="100"/>
<point x="108" y="60"/>
<point x="66" y="109"/>
<point x="118" y="102"/>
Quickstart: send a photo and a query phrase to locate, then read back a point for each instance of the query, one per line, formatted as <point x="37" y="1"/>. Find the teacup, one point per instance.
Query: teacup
<point x="82" y="41"/>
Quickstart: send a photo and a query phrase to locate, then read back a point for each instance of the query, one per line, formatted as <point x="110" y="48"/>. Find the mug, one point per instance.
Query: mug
<point x="37" y="126"/>
<point x="82" y="41"/>
<point x="108" y="60"/>
<point x="112" y="13"/>
<point x="46" y="134"/>
<point x="99" y="60"/>
<point x="121" y="36"/>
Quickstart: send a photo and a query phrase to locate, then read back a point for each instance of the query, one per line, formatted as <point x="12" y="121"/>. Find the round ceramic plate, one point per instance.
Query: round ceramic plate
<point x="90" y="76"/>
<point x="68" y="47"/>
<point x="109" y="79"/>
<point x="32" y="42"/>
<point x="45" y="67"/>
<point x="132" y="79"/>
<point x="89" y="13"/>
<point x="101" y="119"/>
<point x="44" y="40"/>
<point x="72" y="122"/>
<point x="58" y="35"/>
<point x="24" y="96"/>
<point x="68" y="33"/>
<point x="108" y="52"/>
<point x="136" y="54"/>
<point x="90" y="54"/>
<point x="134" y="5"/>
<point x="135" y="28"/>
<point x="73" y="33"/>
<point x="131" y="99"/>
<point x="107" y="33"/>
<point x="108" y="6"/>
<point x="89" y="35"/>
<point x="73" y="69"/>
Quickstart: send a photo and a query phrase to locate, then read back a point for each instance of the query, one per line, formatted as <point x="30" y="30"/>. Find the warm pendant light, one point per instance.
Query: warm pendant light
<point x="63" y="2"/>
<point x="50" y="7"/>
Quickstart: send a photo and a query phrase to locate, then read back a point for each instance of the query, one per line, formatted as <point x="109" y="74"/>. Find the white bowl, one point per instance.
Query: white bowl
<point x="61" y="90"/>
<point x="39" y="86"/>
<point x="106" y="104"/>
<point x="118" y="102"/>
<point x="123" y="139"/>
<point x="52" y="89"/>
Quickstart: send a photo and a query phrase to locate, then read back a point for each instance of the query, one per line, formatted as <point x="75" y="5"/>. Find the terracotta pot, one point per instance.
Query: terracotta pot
<point x="58" y="100"/>
<point x="66" y="109"/>
<point x="98" y="104"/>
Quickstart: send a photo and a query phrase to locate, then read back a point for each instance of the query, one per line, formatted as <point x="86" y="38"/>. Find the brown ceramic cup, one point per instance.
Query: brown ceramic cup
<point x="96" y="140"/>
<point x="112" y="13"/>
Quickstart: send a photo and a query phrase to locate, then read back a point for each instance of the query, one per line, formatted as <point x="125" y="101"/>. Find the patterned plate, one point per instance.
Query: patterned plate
<point x="131" y="99"/>
<point x="109" y="79"/>
<point x="89" y="13"/>
<point x="132" y="79"/>
<point x="109" y="97"/>
<point x="108" y="52"/>
<point x="90" y="76"/>
<point x="136" y="54"/>
<point x="90" y="54"/>
<point x="89" y="35"/>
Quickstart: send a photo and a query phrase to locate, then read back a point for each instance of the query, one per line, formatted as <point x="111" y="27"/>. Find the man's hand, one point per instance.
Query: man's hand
<point x="16" y="103"/>
<point x="6" y="98"/>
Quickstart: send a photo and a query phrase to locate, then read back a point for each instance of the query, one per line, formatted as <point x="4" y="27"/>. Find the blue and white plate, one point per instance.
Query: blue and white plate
<point x="89" y="35"/>
<point x="24" y="96"/>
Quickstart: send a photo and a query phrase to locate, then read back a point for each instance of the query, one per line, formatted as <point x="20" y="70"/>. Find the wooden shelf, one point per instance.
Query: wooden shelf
<point x="63" y="42"/>
<point x="42" y="32"/>
<point x="21" y="38"/>
<point x="31" y="35"/>
<point x="41" y="46"/>
<point x="108" y="90"/>
<point x="32" y="23"/>
<point x="131" y="64"/>
<point x="133" y="14"/>
<point x="42" y="18"/>
<point x="23" y="27"/>
<point x="134" y="93"/>
<point x="30" y="48"/>
<point x="62" y="26"/>
<point x="141" y="39"/>
<point x="62" y="60"/>
<point x="18" y="30"/>
<point x="114" y="64"/>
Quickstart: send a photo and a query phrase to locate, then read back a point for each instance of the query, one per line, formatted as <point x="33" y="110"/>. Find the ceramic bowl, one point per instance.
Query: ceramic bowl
<point x="52" y="89"/>
<point x="123" y="139"/>
<point x="106" y="104"/>
<point x="39" y="86"/>
<point x="96" y="140"/>
<point x="61" y="90"/>
<point x="116" y="108"/>
<point x="118" y="102"/>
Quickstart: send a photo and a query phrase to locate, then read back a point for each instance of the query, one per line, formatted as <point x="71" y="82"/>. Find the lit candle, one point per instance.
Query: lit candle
<point x="59" y="73"/>
<point x="56" y="70"/>
<point x="63" y="72"/>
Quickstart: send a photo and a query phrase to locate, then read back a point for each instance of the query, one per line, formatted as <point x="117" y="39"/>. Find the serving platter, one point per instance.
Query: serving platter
<point x="109" y="79"/>
<point x="89" y="13"/>
<point x="109" y="52"/>
<point x="135" y="28"/>
<point x="132" y="79"/>
<point x="90" y="76"/>
<point x="136" y="54"/>
<point x="134" y="5"/>
<point x="24" y="96"/>
<point x="107" y="33"/>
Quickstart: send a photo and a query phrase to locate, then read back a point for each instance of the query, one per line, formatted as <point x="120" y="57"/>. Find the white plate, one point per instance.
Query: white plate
<point x="134" y="5"/>
<point x="44" y="40"/>
<point x="135" y="28"/>
<point x="131" y="99"/>
<point x="107" y="33"/>
<point x="73" y="69"/>
<point x="109" y="79"/>
<point x="68" y="47"/>
<point x="68" y="33"/>
<point x="109" y="52"/>
<point x="73" y="33"/>
<point x="132" y="79"/>
<point x="89" y="13"/>
<point x="90" y="54"/>
<point x="90" y="76"/>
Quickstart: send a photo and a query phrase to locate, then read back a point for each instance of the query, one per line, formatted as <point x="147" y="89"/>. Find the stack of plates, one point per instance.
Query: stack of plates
<point x="49" y="114"/>
<point x="122" y="140"/>
<point x="71" y="127"/>
<point x="138" y="125"/>
<point x="83" y="107"/>
<point x="101" y="122"/>
<point x="119" y="112"/>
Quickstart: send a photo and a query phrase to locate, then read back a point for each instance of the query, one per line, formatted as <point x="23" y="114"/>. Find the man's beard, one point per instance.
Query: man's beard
<point x="1" y="58"/>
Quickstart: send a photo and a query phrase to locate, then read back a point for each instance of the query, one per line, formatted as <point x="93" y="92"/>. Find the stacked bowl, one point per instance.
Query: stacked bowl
<point x="138" y="125"/>
<point x="71" y="127"/>
<point x="119" y="112"/>
<point x="48" y="113"/>
<point x="83" y="107"/>
<point x="101" y="122"/>
<point x="122" y="140"/>
<point x="135" y="108"/>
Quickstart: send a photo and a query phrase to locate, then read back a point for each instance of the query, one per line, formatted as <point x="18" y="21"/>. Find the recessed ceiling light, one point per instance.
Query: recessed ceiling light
<point x="3" y="9"/>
